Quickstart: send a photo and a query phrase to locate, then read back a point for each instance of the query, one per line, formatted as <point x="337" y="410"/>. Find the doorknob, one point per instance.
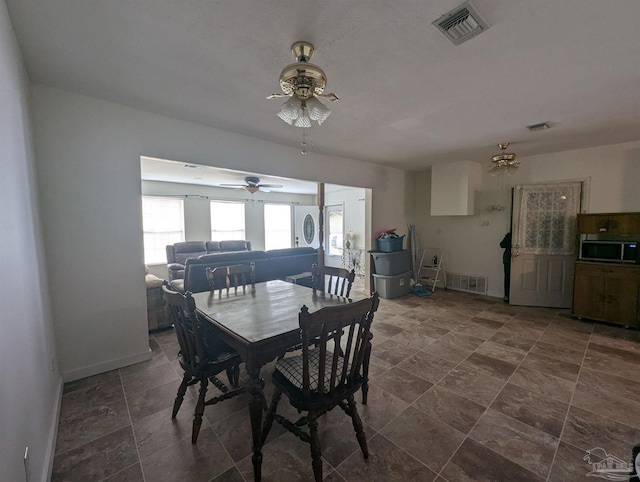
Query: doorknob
<point x="516" y="250"/>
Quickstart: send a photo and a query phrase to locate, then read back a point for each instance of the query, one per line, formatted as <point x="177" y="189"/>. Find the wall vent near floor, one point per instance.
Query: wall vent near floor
<point x="470" y="283"/>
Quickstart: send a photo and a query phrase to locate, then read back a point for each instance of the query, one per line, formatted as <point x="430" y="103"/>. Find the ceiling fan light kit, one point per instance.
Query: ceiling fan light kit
<point x="503" y="163"/>
<point x="303" y="82"/>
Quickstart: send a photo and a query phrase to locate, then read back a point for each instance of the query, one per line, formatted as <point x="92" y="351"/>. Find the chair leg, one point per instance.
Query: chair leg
<point x="233" y="375"/>
<point x="357" y="426"/>
<point x="365" y="370"/>
<point x="268" y="419"/>
<point x="197" y="416"/>
<point x="316" y="453"/>
<point x="182" y="389"/>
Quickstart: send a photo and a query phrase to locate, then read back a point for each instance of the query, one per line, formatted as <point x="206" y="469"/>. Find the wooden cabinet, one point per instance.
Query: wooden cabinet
<point x="609" y="223"/>
<point x="607" y="292"/>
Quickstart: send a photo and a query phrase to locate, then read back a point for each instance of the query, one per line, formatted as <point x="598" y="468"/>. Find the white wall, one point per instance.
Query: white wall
<point x="30" y="384"/>
<point x="88" y="154"/>
<point x="473" y="247"/>
<point x="197" y="216"/>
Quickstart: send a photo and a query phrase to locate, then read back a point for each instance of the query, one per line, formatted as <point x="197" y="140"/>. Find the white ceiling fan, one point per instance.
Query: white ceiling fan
<point x="252" y="184"/>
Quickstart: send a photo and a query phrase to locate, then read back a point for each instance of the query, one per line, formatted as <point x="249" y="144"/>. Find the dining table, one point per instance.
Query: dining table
<point x="260" y="323"/>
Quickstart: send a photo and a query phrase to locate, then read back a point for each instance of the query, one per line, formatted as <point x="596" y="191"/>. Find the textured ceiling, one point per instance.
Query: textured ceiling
<point x="410" y="98"/>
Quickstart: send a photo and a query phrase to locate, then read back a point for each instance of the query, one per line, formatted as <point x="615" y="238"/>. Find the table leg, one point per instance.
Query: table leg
<point x="256" y="405"/>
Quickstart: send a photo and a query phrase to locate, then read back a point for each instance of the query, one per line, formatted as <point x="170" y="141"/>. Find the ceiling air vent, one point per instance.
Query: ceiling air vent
<point x="461" y="24"/>
<point x="539" y="127"/>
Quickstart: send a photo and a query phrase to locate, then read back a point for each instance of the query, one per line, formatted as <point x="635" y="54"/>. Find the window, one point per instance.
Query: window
<point x="335" y="230"/>
<point x="227" y="220"/>
<point x="162" y="224"/>
<point x="277" y="226"/>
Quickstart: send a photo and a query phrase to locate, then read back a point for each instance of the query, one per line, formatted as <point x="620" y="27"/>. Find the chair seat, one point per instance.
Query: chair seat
<point x="224" y="357"/>
<point x="291" y="369"/>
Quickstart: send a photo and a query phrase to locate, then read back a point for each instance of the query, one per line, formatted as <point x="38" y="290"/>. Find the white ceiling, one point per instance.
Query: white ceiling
<point x="410" y="98"/>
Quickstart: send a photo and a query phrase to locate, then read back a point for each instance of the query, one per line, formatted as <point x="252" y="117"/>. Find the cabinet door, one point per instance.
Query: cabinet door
<point x="593" y="223"/>
<point x="624" y="223"/>
<point x="621" y="301"/>
<point x="588" y="296"/>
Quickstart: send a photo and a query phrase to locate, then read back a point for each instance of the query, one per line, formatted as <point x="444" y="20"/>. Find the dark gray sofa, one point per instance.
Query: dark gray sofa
<point x="178" y="253"/>
<point x="269" y="265"/>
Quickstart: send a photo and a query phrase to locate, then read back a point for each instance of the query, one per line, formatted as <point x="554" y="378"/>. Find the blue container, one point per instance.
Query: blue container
<point x="390" y="245"/>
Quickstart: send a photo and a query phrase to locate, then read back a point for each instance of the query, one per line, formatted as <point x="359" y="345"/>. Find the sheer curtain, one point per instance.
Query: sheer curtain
<point x="548" y="218"/>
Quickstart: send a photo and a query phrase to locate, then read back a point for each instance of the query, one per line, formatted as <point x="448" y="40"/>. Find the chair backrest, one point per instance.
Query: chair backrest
<point x="187" y="327"/>
<point x="345" y="329"/>
<point x="237" y="275"/>
<point x="335" y="281"/>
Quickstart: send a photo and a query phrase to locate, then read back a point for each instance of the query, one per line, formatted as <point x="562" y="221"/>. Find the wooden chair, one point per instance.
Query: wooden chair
<point x="335" y="281"/>
<point x="319" y="379"/>
<point x="236" y="276"/>
<point x="339" y="283"/>
<point x="202" y="356"/>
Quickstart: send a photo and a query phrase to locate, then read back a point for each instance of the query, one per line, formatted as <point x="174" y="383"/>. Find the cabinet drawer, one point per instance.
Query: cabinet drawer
<point x="607" y="270"/>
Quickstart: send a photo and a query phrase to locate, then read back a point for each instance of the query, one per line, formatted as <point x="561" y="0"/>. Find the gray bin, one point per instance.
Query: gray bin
<point x="392" y="286"/>
<point x="391" y="264"/>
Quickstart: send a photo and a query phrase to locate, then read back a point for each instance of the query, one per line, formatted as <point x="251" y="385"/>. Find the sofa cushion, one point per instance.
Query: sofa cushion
<point x="234" y="245"/>
<point x="286" y="262"/>
<point x="195" y="278"/>
<point x="213" y="246"/>
<point x="180" y="252"/>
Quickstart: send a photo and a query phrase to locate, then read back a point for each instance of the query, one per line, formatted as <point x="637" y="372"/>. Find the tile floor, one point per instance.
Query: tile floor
<point x="463" y="387"/>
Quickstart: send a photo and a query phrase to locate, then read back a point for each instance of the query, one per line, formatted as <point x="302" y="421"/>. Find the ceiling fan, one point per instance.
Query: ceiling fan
<point x="252" y="184"/>
<point x="303" y="83"/>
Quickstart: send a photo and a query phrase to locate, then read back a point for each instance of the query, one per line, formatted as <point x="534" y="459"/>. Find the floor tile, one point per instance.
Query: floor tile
<point x="145" y="379"/>
<point x="428" y="367"/>
<point x="143" y="404"/>
<point x="536" y="410"/>
<point x="473" y="462"/>
<point x="570" y="466"/>
<point x="473" y="384"/>
<point x="552" y="366"/>
<point x="413" y="340"/>
<point x="514" y="340"/>
<point x="386" y="463"/>
<point x="450" y="408"/>
<point x="77" y="430"/>
<point x="610" y="383"/>
<point x="501" y="352"/>
<point x="185" y="461"/>
<point x="586" y="430"/>
<point x="605" y="358"/>
<point x="604" y="403"/>
<point x="393" y="352"/>
<point x="98" y="459"/>
<point x="381" y="408"/>
<point x="86" y="398"/>
<point x="384" y="329"/>
<point x="525" y="445"/>
<point x="543" y="384"/>
<point x="90" y="381"/>
<point x="489" y="365"/>
<point x="231" y="475"/>
<point x="448" y="350"/>
<point x="402" y="384"/>
<point x="563" y="353"/>
<point x="427" y="439"/>
<point x="130" y="474"/>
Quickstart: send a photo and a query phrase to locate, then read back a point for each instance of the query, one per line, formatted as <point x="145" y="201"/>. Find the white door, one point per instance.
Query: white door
<point x="544" y="244"/>
<point x="305" y="220"/>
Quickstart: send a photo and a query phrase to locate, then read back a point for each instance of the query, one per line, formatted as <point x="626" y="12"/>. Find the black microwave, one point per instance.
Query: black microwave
<point x="610" y="251"/>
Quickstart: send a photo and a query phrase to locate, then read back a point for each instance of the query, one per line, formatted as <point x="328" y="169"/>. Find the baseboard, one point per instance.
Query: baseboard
<point x="53" y="435"/>
<point x="106" y="366"/>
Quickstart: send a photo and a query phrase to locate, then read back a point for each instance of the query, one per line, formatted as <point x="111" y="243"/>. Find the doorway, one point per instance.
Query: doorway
<point x="544" y="244"/>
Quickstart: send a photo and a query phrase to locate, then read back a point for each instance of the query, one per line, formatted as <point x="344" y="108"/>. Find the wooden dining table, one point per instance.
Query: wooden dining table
<point x="260" y="325"/>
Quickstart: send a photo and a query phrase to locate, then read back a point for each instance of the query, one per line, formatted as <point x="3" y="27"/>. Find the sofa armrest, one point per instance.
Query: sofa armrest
<point x="176" y="271"/>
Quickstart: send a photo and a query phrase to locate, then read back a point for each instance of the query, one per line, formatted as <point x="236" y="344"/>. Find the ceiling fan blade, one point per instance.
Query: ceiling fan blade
<point x="330" y="96"/>
<point x="264" y="189"/>
<point x="231" y="185"/>
<point x="277" y="96"/>
<point x="274" y="186"/>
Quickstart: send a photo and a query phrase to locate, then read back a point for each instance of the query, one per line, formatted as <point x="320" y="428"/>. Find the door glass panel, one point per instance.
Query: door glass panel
<point x="548" y="219"/>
